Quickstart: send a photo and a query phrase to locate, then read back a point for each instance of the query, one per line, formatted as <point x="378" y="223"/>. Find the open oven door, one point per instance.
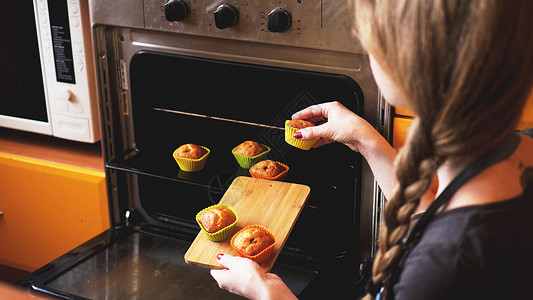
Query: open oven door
<point x="138" y="263"/>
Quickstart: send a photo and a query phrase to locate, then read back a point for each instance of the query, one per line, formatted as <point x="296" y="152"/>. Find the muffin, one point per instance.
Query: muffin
<point x="269" y="169"/>
<point x="249" y="148"/>
<point x="291" y="126"/>
<point x="191" y="157"/>
<point x="191" y="151"/>
<point x="217" y="221"/>
<point x="254" y="242"/>
<point x="299" y="124"/>
<point x="249" y="152"/>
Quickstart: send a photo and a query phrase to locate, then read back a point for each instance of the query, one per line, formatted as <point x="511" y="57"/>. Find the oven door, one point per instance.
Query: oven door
<point x="138" y="262"/>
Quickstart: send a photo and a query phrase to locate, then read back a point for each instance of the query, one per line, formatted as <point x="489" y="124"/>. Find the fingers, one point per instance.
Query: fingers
<point x="319" y="110"/>
<point x="310" y="132"/>
<point x="313" y="113"/>
<point x="338" y="118"/>
<point x="227" y="260"/>
<point x="323" y="131"/>
<point x="242" y="276"/>
<point x="316" y="114"/>
<point x="221" y="276"/>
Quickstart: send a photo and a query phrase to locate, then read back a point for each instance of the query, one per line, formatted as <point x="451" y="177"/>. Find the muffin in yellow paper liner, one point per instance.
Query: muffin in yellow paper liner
<point x="223" y="233"/>
<point x="280" y="177"/>
<point x="189" y="164"/>
<point x="261" y="256"/>
<point x="247" y="161"/>
<point x="300" y="144"/>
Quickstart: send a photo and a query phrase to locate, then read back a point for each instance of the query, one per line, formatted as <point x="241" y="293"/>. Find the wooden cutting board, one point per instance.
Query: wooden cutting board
<point x="273" y="204"/>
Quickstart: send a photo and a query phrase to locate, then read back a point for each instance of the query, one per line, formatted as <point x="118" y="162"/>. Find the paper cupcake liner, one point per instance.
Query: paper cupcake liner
<point x="223" y="233"/>
<point x="261" y="256"/>
<point x="279" y="177"/>
<point x="300" y="144"/>
<point x="189" y="164"/>
<point x="247" y="161"/>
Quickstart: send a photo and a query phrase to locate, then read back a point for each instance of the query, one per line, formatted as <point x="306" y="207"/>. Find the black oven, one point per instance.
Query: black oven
<point x="163" y="82"/>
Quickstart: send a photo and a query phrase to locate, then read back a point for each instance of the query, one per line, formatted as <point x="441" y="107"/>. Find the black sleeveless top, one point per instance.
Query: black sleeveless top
<point x="474" y="252"/>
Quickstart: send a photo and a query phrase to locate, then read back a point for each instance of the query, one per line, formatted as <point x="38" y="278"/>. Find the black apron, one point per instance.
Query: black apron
<point x="381" y="289"/>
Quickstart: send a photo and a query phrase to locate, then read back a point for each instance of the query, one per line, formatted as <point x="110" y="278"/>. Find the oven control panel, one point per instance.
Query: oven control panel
<point x="321" y="24"/>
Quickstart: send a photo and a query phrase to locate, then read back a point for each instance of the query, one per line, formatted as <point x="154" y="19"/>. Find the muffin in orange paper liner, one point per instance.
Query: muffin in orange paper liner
<point x="269" y="169"/>
<point x="189" y="164"/>
<point x="246" y="161"/>
<point x="226" y="231"/>
<point x="254" y="242"/>
<point x="291" y="126"/>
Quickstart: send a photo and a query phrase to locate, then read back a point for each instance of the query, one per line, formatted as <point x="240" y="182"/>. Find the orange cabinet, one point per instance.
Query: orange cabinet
<point x="403" y="118"/>
<point x="527" y="116"/>
<point x="47" y="209"/>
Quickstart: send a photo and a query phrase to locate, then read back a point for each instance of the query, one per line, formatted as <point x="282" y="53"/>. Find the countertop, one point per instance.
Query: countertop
<point x="51" y="149"/>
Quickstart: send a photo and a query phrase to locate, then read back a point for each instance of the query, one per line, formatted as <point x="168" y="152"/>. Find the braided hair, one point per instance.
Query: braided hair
<point x="466" y="69"/>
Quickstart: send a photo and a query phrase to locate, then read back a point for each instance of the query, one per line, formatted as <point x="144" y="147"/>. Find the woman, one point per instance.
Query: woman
<point x="465" y="68"/>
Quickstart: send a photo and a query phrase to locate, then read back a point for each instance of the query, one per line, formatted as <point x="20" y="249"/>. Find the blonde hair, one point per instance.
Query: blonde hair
<point x="466" y="68"/>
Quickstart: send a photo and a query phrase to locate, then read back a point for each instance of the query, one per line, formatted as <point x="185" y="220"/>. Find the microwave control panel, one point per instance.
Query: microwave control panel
<point x="63" y="30"/>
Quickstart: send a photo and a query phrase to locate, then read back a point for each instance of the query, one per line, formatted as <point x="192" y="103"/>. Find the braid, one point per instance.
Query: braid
<point x="415" y="167"/>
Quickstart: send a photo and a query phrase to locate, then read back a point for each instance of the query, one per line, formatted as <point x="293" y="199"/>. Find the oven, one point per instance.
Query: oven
<point x="217" y="73"/>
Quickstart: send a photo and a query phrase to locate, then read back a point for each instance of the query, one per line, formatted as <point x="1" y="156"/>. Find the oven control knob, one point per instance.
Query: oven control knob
<point x="226" y="15"/>
<point x="279" y="20"/>
<point x="176" y="10"/>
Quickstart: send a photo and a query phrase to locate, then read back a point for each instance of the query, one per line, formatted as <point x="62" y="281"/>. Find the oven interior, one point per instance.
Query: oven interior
<point x="220" y="104"/>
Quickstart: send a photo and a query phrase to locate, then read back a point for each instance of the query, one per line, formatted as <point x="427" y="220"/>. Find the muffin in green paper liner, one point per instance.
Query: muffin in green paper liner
<point x="223" y="233"/>
<point x="190" y="164"/>
<point x="247" y="161"/>
<point x="300" y="144"/>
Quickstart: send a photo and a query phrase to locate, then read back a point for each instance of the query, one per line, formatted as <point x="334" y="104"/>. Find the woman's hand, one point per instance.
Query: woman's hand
<point x="244" y="277"/>
<point x="335" y="123"/>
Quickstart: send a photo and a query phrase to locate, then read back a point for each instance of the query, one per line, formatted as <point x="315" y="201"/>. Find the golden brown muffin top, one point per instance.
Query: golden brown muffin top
<point x="216" y="218"/>
<point x="299" y="124"/>
<point x="253" y="240"/>
<point x="267" y="168"/>
<point x="190" y="151"/>
<point x="249" y="148"/>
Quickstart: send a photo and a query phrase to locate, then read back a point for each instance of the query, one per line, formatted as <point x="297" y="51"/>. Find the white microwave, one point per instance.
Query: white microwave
<point x="48" y="80"/>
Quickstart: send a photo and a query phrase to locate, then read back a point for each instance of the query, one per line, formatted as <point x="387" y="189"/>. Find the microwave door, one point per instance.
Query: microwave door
<point x="23" y="104"/>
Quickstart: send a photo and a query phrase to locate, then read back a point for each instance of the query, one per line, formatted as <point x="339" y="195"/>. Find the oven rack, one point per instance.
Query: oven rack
<point x="221" y="169"/>
<point x="169" y="170"/>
